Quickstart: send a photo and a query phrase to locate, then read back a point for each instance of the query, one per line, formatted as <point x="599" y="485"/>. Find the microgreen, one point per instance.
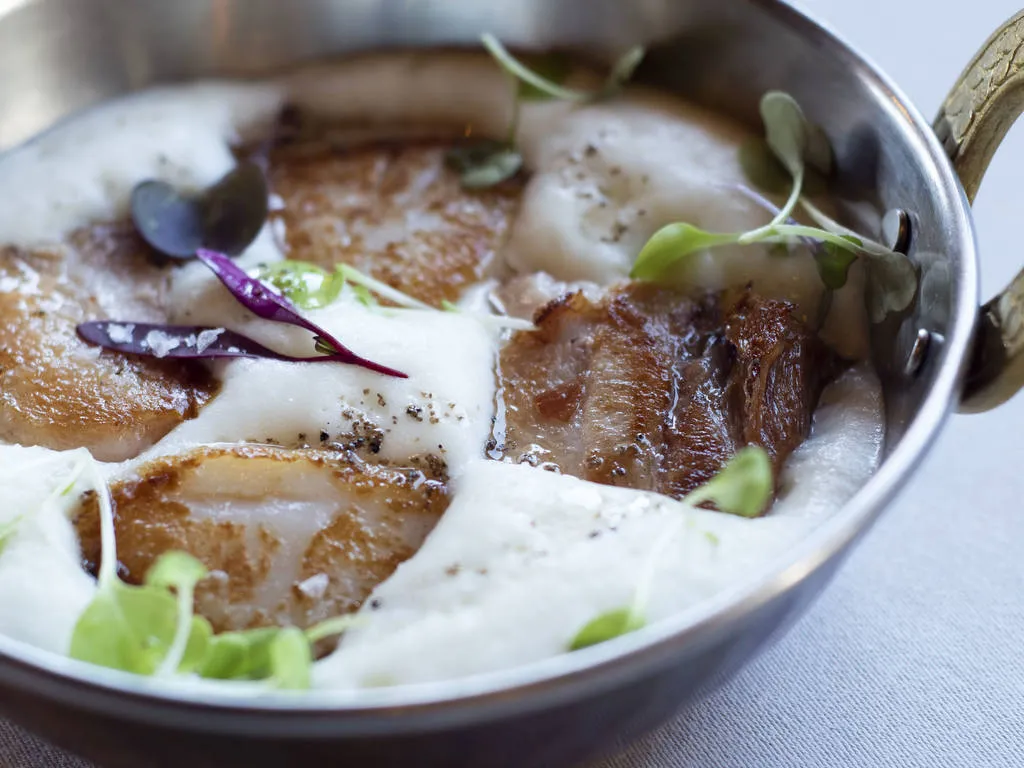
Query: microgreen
<point x="621" y="71"/>
<point x="225" y="217"/>
<point x="742" y="487"/>
<point x="181" y="572"/>
<point x="486" y="162"/>
<point x="264" y="303"/>
<point x="136" y="628"/>
<point x="290" y="659"/>
<point x="201" y="342"/>
<point x="305" y="285"/>
<point x="380" y="288"/>
<point x="606" y="626"/>
<point x="801" y="150"/>
<point x="262" y="654"/>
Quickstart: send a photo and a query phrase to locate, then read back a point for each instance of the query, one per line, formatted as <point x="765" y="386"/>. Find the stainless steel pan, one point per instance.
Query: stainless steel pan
<point x="58" y="56"/>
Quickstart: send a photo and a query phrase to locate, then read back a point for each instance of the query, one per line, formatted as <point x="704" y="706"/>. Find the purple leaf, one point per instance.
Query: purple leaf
<point x="185" y="342"/>
<point x="264" y="303"/>
<point x="177" y="341"/>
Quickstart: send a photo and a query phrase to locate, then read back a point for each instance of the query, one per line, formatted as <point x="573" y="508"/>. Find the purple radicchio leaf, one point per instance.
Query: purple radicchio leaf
<point x="180" y="341"/>
<point x="264" y="303"/>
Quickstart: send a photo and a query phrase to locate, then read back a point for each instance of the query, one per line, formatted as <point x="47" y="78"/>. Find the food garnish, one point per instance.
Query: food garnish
<point x="152" y="629"/>
<point x="227" y="217"/>
<point x="488" y="162"/>
<point x="795" y="144"/>
<point x="156" y="340"/>
<point x="742" y="487"/>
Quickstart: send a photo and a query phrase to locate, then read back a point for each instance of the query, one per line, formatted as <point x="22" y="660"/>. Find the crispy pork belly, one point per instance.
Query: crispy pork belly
<point x="390" y="209"/>
<point x="650" y="390"/>
<point x="291" y="537"/>
<point x="58" y="392"/>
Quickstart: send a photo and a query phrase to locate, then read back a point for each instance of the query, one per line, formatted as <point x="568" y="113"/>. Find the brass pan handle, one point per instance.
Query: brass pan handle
<point x="986" y="100"/>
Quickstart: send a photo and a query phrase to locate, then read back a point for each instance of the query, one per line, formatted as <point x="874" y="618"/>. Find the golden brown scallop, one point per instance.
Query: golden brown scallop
<point x="59" y="392"/>
<point x="390" y="209"/>
<point x="290" y="537"/>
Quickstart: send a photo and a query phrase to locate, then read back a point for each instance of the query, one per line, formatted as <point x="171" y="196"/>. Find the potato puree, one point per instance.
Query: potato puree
<point x="522" y="557"/>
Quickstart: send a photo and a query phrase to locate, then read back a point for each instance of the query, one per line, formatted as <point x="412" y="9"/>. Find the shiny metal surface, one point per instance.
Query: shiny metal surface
<point x="58" y="56"/>
<point x="981" y="107"/>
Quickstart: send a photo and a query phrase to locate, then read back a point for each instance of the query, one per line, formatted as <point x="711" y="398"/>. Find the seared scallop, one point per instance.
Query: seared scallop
<point x="290" y="537"/>
<point x="647" y="389"/>
<point x="55" y="390"/>
<point x="391" y="209"/>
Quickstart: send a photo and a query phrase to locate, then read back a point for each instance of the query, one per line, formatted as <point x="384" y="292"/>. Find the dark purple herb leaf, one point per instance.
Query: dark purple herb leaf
<point x="170" y="223"/>
<point x="235" y="209"/>
<point x="227" y="217"/>
<point x="175" y="341"/>
<point x="188" y="342"/>
<point x="264" y="303"/>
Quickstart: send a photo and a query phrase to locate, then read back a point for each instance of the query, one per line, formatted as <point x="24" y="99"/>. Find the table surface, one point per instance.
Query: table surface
<point x="912" y="657"/>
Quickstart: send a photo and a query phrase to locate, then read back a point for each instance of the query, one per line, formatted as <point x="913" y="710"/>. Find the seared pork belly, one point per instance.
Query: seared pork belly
<point x="55" y="390"/>
<point x="647" y="389"/>
<point x="290" y="537"/>
<point x="390" y="209"/>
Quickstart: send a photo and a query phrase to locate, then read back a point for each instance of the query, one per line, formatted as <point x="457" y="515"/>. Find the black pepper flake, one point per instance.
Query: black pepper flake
<point x="302" y="436"/>
<point x="594" y="534"/>
<point x="375" y="604"/>
<point x="590" y="151"/>
<point x="453" y="570"/>
<point x="324" y="437"/>
<point x="380" y="400"/>
<point x="366" y="391"/>
<point x="414" y="412"/>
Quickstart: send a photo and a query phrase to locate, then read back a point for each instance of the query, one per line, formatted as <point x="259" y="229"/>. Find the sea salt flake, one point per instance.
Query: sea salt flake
<point x="121" y="334"/>
<point x="161" y="343"/>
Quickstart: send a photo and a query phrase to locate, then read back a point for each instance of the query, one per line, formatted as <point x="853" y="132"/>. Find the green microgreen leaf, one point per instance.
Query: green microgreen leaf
<point x="785" y="129"/>
<point x="834" y="264"/>
<point x="521" y="72"/>
<point x="381" y="289"/>
<point x="364" y="297"/>
<point x="742" y="487"/>
<point x="621" y="71"/>
<point x="484" y="163"/>
<point x="132" y="628"/>
<point x="672" y="243"/>
<point x="606" y="626"/>
<point x="551" y="67"/>
<point x="241" y="655"/>
<point x="448" y="306"/>
<point x="305" y="285"/>
<point x="330" y="627"/>
<point x="290" y="659"/>
<point x="181" y="572"/>
<point x="126" y="627"/>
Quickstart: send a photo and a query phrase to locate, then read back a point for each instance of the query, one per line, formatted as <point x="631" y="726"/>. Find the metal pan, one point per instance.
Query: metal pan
<point x="58" y="56"/>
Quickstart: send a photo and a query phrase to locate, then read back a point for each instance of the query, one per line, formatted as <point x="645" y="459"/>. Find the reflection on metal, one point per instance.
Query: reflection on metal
<point x="918" y="353"/>
<point x="896" y="230"/>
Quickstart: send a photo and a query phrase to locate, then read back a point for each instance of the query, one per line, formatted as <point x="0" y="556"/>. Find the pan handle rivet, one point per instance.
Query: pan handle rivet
<point x="918" y="353"/>
<point x="896" y="230"/>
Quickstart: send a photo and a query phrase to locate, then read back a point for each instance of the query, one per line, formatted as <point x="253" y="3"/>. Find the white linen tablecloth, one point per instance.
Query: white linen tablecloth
<point x="915" y="654"/>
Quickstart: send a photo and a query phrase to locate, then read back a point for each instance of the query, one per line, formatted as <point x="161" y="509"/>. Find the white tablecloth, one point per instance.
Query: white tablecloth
<point x="915" y="654"/>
